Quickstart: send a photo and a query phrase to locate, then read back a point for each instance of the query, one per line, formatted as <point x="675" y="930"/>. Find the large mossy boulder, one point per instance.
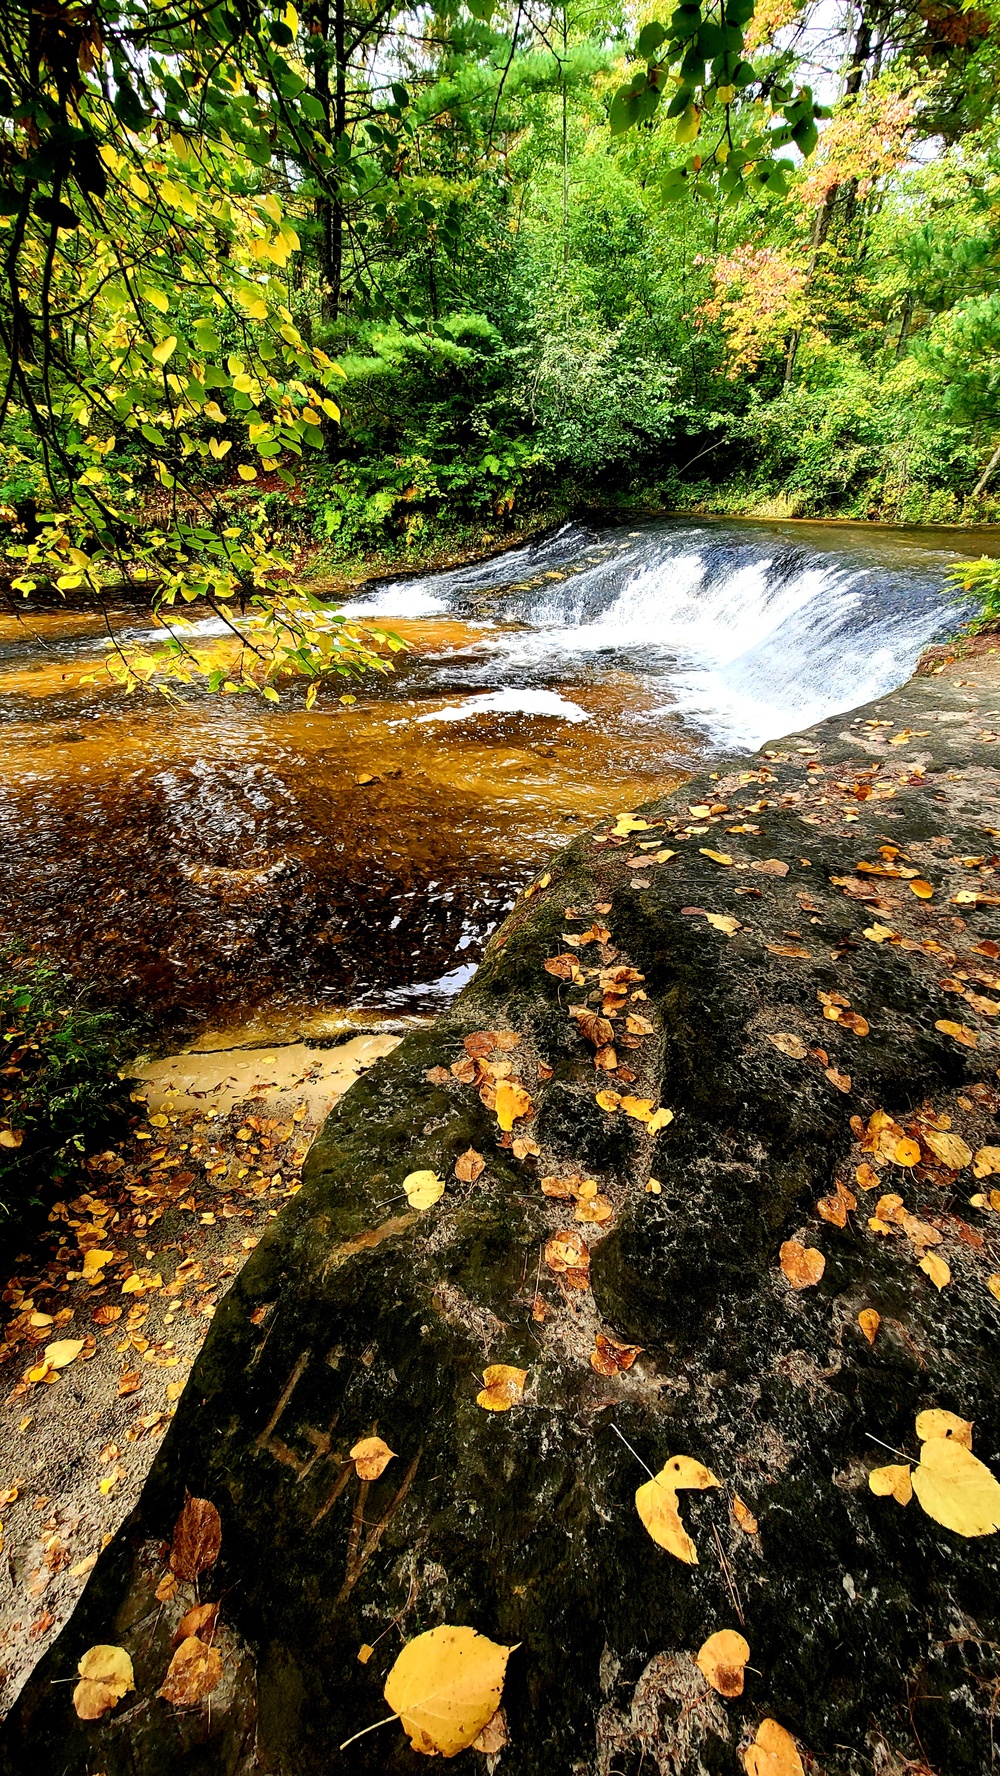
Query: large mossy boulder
<point x="777" y="1001"/>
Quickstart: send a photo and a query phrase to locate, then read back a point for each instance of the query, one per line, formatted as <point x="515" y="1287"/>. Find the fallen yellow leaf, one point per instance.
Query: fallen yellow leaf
<point x="936" y="1268"/>
<point x="869" y="1320"/>
<point x="744" y="1516"/>
<point x="95" y="1260"/>
<point x="788" y="1044"/>
<point x="656" y="1503"/>
<point x="986" y="1162"/>
<point x="723" y="922"/>
<point x="951" y="1150"/>
<point x="960" y="1032"/>
<point x="716" y="856"/>
<point x="957" y="1489"/>
<point x="423" y="1189"/>
<point x="63" y="1352"/>
<point x="504" y="1387"/>
<point x="722" y="1659"/>
<point x="773" y="1752"/>
<point x="936" y="1422"/>
<point x="371" y="1457"/>
<point x="106" y="1676"/>
<point x="512" y="1103"/>
<point x="445" y="1686"/>
<point x="892" y="1482"/>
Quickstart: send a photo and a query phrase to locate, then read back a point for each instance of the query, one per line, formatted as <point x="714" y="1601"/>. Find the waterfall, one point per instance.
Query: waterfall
<point x="744" y="631"/>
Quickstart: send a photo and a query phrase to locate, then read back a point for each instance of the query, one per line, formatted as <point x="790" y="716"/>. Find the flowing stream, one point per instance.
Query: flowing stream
<point x="226" y="865"/>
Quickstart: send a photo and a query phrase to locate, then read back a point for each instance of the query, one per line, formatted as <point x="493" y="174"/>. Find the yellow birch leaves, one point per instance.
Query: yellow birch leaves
<point x="445" y="1686"/>
<point x="656" y="1503"/>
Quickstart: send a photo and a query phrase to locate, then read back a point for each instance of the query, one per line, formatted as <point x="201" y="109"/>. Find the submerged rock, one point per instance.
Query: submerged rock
<point x="773" y="995"/>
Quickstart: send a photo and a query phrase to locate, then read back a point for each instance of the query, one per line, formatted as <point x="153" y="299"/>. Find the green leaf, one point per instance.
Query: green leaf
<point x="649" y="40"/>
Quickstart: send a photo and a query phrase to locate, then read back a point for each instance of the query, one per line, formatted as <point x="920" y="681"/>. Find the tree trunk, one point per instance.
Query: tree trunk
<point x="993" y="463"/>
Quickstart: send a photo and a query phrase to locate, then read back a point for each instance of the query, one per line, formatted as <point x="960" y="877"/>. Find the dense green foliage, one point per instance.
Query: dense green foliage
<point x="540" y="255"/>
<point x="59" y="1080"/>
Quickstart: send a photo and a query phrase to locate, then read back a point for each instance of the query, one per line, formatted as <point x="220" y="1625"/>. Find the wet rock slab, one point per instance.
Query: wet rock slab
<point x="872" y="1629"/>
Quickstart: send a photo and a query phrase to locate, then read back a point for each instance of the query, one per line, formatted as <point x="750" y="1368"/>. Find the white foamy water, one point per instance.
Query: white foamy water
<point x="508" y="702"/>
<point x="743" y="631"/>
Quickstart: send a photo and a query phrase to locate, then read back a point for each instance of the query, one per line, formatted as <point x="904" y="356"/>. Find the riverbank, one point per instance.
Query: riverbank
<point x="796" y="957"/>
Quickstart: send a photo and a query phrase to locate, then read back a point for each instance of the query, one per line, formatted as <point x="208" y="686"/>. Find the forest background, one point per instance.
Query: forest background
<point x="385" y="280"/>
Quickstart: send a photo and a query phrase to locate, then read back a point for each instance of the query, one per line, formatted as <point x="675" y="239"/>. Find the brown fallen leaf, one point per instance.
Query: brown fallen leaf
<point x="866" y="1177"/>
<point x="512" y="1103"/>
<point x="802" y="1266"/>
<point x="445" y="1687"/>
<point x="129" y="1383"/>
<point x="598" y="1031"/>
<point x="770" y="866"/>
<point x="835" y="1208"/>
<point x="437" y="1076"/>
<point x="794" y="950"/>
<point x="504" y="1387"/>
<point x="523" y="1147"/>
<point x="198" y="1620"/>
<point x="106" y="1316"/>
<point x="869" y="1319"/>
<point x="842" y="1081"/>
<point x="469" y="1166"/>
<point x="773" y="1752"/>
<point x="722" y="1660"/>
<point x="493" y="1737"/>
<point x="480" y="1044"/>
<point x="371" y="1456"/>
<point x="639" y="1026"/>
<point x="197" y="1538"/>
<point x="609" y="1357"/>
<point x="744" y="1516"/>
<point x="656" y="1503"/>
<point x="105" y="1677"/>
<point x="567" y="1251"/>
<point x="564" y="967"/>
<point x="788" y="1044"/>
<point x="193" y="1673"/>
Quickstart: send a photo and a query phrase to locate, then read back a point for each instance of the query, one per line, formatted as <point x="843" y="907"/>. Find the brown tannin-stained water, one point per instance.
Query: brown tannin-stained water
<point x="218" y="860"/>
